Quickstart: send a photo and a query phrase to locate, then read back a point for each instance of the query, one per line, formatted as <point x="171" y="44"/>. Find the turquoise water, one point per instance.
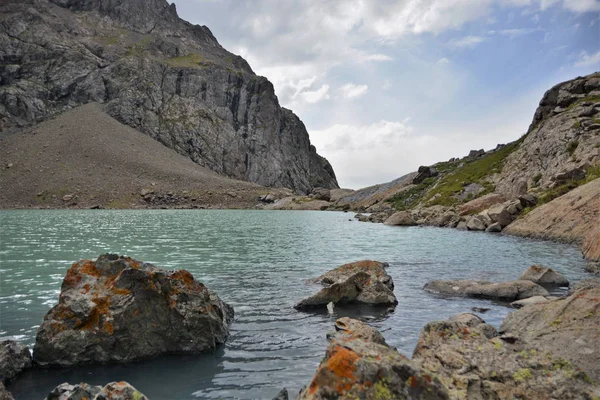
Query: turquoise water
<point x="257" y="261"/>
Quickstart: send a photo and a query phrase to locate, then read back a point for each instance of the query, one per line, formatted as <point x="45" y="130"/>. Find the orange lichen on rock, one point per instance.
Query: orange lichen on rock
<point x="72" y="278"/>
<point x="342" y="362"/>
<point x="101" y="309"/>
<point x="88" y="267"/>
<point x="185" y="278"/>
<point x="120" y="291"/>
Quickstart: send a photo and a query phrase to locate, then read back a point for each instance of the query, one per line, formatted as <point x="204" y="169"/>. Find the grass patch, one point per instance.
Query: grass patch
<point x="572" y="146"/>
<point x="192" y="60"/>
<point x="536" y="179"/>
<point x="452" y="184"/>
<point x="107" y="40"/>
<point x="591" y="174"/>
<point x="409" y="198"/>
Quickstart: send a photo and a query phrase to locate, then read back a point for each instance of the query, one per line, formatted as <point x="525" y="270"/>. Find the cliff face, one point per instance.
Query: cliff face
<point x="158" y="74"/>
<point x="563" y="137"/>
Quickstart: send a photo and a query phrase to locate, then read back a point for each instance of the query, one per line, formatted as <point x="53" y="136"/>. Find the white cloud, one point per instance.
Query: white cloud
<point x="513" y="33"/>
<point x="352" y="91"/>
<point x="588" y="60"/>
<point x="378" y="57"/>
<point x="443" y="61"/>
<point x="317" y="95"/>
<point x="302" y="85"/>
<point x="581" y="6"/>
<point x="466" y="42"/>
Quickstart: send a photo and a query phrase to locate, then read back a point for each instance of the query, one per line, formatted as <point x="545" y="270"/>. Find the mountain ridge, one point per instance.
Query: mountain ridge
<point x="158" y="74"/>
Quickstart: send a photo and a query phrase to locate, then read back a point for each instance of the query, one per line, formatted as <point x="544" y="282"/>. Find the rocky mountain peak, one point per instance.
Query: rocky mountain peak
<point x="140" y="15"/>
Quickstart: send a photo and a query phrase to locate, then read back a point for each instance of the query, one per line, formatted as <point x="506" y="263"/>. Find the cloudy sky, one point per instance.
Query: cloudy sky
<point x="385" y="86"/>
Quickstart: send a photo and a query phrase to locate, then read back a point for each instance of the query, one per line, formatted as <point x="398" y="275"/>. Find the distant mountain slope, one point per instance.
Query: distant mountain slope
<point x="86" y="158"/>
<point x="158" y="74"/>
<point x="560" y="151"/>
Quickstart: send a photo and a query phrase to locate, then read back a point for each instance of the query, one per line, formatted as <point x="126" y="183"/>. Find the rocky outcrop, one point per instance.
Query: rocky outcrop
<point x="5" y="394"/>
<point x="117" y="309"/>
<point x="401" y="218"/>
<point x="567" y="327"/>
<point x="14" y="358"/>
<point x="544" y="276"/>
<point x="571" y="218"/>
<point x="359" y="364"/>
<point x="111" y="391"/>
<point x="503" y="291"/>
<point x="363" y="282"/>
<point x="473" y="361"/>
<point x="158" y="74"/>
<point x="562" y="137"/>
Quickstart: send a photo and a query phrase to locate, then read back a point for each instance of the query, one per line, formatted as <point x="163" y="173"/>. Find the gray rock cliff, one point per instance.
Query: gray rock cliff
<point x="158" y="74"/>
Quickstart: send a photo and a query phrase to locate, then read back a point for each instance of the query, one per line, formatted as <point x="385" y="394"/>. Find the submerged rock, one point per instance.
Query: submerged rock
<point x="503" y="291"/>
<point x="362" y="282"/>
<point x="544" y="276"/>
<point x="568" y="327"/>
<point x="474" y="362"/>
<point x="117" y="309"/>
<point x="357" y="367"/>
<point x="112" y="391"/>
<point x="14" y="358"/>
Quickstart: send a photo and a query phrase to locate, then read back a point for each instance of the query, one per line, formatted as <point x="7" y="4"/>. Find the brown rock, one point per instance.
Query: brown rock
<point x="567" y="327"/>
<point x="355" y="367"/>
<point x="473" y="362"/>
<point x="480" y="204"/>
<point x="112" y="391"/>
<point x="544" y="276"/>
<point x="401" y="218"/>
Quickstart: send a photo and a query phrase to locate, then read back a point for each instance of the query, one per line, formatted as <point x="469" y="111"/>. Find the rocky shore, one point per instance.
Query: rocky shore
<point x="115" y="309"/>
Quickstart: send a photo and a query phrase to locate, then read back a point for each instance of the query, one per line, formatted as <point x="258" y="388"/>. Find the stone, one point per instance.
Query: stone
<point x="482" y="203"/>
<point x="401" y="218"/>
<point x="531" y="300"/>
<point x="473" y="362"/>
<point x="476" y="223"/>
<point x="544" y="276"/>
<point x="494" y="228"/>
<point x="499" y="214"/>
<point x="352" y="328"/>
<point x="111" y="391"/>
<point x="117" y="309"/>
<point x="359" y="288"/>
<point x="574" y="174"/>
<point x="503" y="291"/>
<point x="527" y="200"/>
<point x="320" y="193"/>
<point x="14" y="358"/>
<point x="362" y="217"/>
<point x="361" y="282"/>
<point x="473" y="154"/>
<point x="514" y="207"/>
<point x="67" y="197"/>
<point x="566" y="327"/>
<point x="146" y="192"/>
<point x="282" y="395"/>
<point x="355" y="367"/>
<point x="5" y="394"/>
<point x="423" y="173"/>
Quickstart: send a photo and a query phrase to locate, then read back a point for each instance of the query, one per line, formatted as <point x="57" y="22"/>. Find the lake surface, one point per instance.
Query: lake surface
<point x="257" y="261"/>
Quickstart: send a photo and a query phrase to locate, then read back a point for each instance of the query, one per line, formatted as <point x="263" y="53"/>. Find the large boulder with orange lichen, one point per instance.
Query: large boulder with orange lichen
<point x="117" y="309"/>
<point x="359" y="365"/>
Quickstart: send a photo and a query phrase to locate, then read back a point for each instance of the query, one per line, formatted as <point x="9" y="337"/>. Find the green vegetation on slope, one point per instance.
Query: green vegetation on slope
<point x="551" y="194"/>
<point x="476" y="171"/>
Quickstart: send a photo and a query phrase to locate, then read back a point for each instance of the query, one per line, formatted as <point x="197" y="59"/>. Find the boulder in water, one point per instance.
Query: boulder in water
<point x="362" y="282"/>
<point x="14" y="358"/>
<point x="117" y="309"/>
<point x="544" y="276"/>
<point x="503" y="291"/>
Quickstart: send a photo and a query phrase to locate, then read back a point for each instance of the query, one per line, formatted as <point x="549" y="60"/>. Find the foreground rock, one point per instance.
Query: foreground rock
<point x="529" y="301"/>
<point x="14" y="358"/>
<point x="355" y="366"/>
<point x="363" y="282"/>
<point x="544" y="276"/>
<point x="567" y="327"/>
<point x="5" y="394"/>
<point x="474" y="362"/>
<point x="112" y="391"/>
<point x="503" y="291"/>
<point x="117" y="309"/>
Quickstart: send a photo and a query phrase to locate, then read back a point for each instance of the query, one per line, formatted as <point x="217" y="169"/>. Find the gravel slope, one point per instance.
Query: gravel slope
<point x="84" y="158"/>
